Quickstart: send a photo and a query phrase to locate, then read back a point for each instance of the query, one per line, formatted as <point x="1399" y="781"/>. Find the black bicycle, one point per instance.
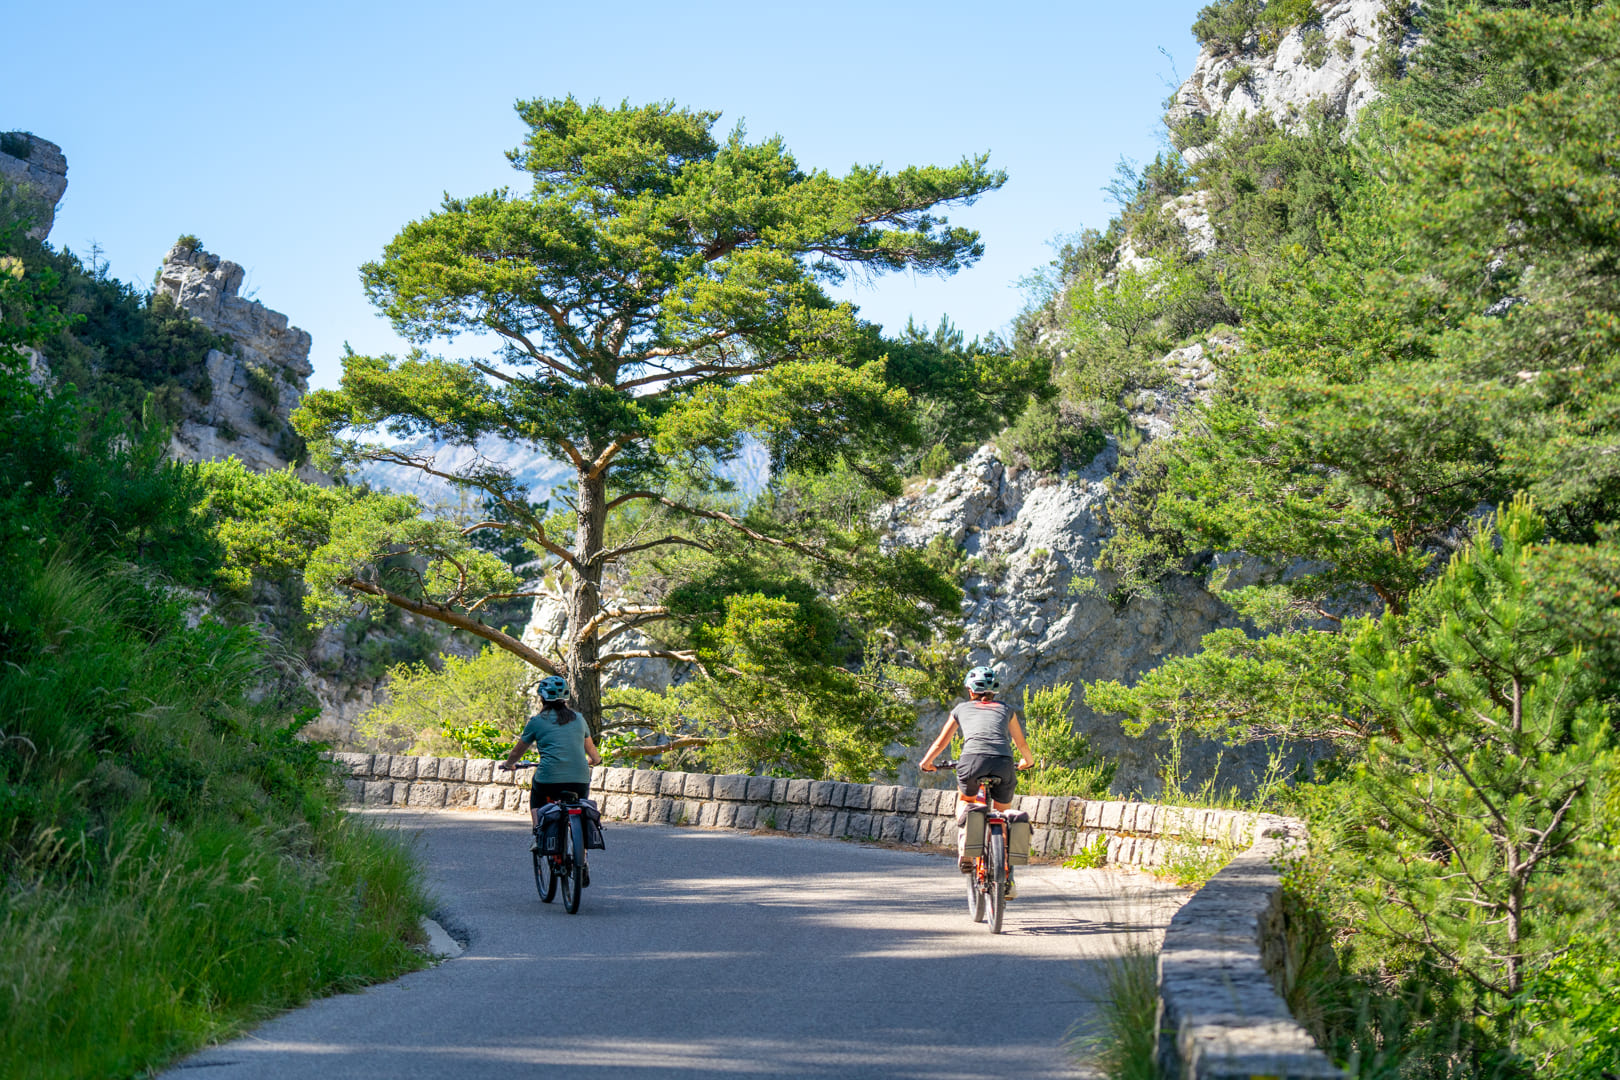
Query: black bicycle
<point x="987" y="881"/>
<point x="559" y="858"/>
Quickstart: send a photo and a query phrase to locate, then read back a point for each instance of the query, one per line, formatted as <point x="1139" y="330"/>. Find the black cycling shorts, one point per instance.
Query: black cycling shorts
<point x="972" y="768"/>
<point x="540" y="793"/>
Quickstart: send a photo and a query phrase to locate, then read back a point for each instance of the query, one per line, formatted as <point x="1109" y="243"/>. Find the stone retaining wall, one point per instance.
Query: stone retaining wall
<point x="1136" y="834"/>
<point x="1223" y="971"/>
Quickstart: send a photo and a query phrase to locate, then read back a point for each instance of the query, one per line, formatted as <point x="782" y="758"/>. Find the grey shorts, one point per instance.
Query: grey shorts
<point x="1002" y="771"/>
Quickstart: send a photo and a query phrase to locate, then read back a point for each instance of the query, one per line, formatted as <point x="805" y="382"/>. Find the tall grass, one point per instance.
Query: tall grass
<point x="175" y="862"/>
<point x="1126" y="1044"/>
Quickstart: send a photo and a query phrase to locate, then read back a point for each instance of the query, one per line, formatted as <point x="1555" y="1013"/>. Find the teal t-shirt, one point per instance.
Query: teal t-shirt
<point x="561" y="748"/>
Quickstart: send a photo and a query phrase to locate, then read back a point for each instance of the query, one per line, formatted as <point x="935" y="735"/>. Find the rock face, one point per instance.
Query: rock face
<point x="1324" y="62"/>
<point x="1032" y="535"/>
<point x="255" y="387"/>
<point x="34" y="171"/>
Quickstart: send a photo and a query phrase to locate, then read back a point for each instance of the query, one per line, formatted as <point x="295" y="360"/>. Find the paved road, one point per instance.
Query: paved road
<point x="701" y="954"/>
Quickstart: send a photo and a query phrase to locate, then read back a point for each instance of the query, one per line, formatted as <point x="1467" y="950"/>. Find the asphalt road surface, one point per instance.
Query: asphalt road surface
<point x="699" y="954"/>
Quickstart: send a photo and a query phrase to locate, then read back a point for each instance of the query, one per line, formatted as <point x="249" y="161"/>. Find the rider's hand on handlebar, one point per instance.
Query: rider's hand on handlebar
<point x="928" y="766"/>
<point x="505" y="766"/>
<point x="1025" y="764"/>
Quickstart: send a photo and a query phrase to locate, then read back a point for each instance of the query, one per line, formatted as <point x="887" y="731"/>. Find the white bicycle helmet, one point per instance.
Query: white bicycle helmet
<point x="982" y="680"/>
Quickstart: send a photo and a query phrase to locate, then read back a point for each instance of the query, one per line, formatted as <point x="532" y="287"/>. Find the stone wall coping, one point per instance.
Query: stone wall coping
<point x="1221" y="1015"/>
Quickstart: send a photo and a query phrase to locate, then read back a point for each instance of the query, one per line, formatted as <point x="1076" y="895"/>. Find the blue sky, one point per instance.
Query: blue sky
<point x="296" y="138"/>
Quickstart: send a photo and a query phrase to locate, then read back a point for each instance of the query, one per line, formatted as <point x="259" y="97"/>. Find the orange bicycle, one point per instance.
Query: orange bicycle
<point x="992" y="868"/>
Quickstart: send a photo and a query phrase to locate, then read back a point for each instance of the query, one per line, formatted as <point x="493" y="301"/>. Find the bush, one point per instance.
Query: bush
<point x="1065" y="763"/>
<point x="477" y="705"/>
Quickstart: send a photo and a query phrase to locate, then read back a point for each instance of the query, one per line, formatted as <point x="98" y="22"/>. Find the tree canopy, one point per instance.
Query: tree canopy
<point x="657" y="296"/>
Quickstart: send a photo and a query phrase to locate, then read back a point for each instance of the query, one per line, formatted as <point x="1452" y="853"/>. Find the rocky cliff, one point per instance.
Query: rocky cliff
<point x="256" y="386"/>
<point x="34" y="172"/>
<point x="1326" y="62"/>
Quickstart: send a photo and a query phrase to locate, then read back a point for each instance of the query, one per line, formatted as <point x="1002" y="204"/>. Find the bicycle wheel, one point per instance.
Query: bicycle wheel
<point x="545" y="877"/>
<point x="573" y="871"/>
<point x="995" y="858"/>
<point x="975" y="893"/>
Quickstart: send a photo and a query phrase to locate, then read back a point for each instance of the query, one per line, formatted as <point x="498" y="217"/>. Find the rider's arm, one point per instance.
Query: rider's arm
<point x="591" y="753"/>
<point x="519" y="748"/>
<point x="1016" y="730"/>
<point x="939" y="745"/>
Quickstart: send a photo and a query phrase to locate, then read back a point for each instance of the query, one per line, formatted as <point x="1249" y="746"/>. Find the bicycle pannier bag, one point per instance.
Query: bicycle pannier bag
<point x="553" y="829"/>
<point x="591" y="817"/>
<point x="972" y="831"/>
<point x="1018" y="837"/>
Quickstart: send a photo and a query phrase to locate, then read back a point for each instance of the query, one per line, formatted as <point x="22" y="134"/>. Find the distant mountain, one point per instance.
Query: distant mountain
<point x="751" y="471"/>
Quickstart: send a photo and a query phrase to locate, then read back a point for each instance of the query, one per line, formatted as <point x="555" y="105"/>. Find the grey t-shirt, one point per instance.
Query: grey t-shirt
<point x="984" y="726"/>
<point x="561" y="748"/>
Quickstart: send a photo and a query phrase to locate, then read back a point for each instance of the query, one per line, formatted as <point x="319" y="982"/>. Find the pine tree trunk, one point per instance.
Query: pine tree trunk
<point x="585" y="599"/>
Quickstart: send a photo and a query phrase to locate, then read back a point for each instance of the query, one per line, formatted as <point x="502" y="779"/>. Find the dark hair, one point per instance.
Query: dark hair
<point x="559" y="706"/>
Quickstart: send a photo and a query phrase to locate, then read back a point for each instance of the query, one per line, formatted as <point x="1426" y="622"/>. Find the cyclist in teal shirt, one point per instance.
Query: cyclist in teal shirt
<point x="563" y="740"/>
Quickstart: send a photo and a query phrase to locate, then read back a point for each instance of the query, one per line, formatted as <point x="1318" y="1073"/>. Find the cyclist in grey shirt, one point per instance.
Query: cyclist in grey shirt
<point x="990" y="730"/>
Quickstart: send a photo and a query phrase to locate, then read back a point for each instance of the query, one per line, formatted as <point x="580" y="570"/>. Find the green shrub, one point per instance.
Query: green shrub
<point x="1043" y="439"/>
<point x="1091" y="856"/>
<point x="1065" y="762"/>
<point x="936" y="462"/>
<point x="16" y="144"/>
<point x="477" y="705"/>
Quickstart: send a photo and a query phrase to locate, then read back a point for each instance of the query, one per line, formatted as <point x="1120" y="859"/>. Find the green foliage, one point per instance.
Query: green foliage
<point x="1065" y="762"/>
<point x="174" y="860"/>
<point x="477" y="704"/>
<point x="1291" y="685"/>
<point x="1091" y="856"/>
<point x="131" y="354"/>
<point x="1049" y="438"/>
<point x="16" y="144"/>
<point x="1223" y="26"/>
<point x="1126" y="1046"/>
<point x="660" y="296"/>
<point x="961" y="392"/>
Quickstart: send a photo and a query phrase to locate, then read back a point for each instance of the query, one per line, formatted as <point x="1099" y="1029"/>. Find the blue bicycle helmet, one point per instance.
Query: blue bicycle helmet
<point x="982" y="680"/>
<point x="552" y="688"/>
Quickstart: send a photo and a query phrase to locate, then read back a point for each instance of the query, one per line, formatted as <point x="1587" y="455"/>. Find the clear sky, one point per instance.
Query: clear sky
<point x="297" y="137"/>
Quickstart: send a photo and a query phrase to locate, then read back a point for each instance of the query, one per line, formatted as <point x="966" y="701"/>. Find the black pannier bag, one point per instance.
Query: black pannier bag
<point x="592" y="818"/>
<point x="553" y="829"/>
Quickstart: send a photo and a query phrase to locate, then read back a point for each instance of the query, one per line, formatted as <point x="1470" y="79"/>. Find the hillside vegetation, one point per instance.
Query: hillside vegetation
<point x="1413" y="434"/>
<point x="173" y="860"/>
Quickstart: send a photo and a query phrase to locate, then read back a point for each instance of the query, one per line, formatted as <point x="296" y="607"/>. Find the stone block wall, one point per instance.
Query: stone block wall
<point x="1135" y="834"/>
<point x="1223" y="973"/>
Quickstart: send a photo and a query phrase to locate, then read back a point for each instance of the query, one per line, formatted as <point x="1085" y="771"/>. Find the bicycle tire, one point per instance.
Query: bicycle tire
<point x="545" y="877"/>
<point x="995" y="857"/>
<point x="573" y="872"/>
<point x="975" y="894"/>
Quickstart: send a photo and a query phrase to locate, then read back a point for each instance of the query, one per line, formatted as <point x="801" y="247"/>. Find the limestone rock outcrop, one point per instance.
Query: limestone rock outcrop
<point x="1325" y="62"/>
<point x="257" y="385"/>
<point x="33" y="171"/>
<point x="1028" y="536"/>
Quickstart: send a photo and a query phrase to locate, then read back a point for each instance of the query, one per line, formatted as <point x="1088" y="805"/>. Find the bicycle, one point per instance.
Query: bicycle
<point x="987" y="881"/>
<point x="568" y="866"/>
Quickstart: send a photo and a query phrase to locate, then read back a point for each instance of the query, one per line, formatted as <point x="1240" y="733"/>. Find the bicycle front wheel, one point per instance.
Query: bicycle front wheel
<point x="573" y="874"/>
<point x="995" y="858"/>
<point x="545" y="877"/>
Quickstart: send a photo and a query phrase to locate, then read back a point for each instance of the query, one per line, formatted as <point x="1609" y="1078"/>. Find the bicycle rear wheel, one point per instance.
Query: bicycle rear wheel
<point x="573" y="872"/>
<point x="995" y="858"/>
<point x="975" y="894"/>
<point x="545" y="877"/>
